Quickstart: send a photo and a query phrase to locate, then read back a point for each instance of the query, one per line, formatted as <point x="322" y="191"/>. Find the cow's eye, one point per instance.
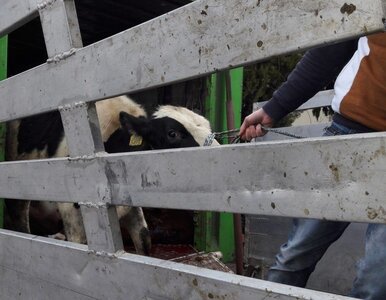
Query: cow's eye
<point x="172" y="133"/>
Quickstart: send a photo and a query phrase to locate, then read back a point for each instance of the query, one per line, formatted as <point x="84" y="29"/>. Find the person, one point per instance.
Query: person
<point x="359" y="106"/>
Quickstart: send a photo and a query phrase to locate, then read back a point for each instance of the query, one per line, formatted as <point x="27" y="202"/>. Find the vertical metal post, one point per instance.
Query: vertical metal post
<point x="3" y="74"/>
<point x="62" y="36"/>
<point x="384" y="12"/>
<point x="60" y="26"/>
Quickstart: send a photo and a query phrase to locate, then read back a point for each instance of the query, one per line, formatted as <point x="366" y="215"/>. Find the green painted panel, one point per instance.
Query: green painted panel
<point x="215" y="231"/>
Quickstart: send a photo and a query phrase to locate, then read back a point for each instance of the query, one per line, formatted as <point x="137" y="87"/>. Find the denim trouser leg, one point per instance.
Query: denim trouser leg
<point x="308" y="241"/>
<point x="370" y="282"/>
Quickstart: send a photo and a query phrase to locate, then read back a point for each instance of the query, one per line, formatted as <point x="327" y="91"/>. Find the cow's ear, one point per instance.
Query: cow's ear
<point x="139" y="124"/>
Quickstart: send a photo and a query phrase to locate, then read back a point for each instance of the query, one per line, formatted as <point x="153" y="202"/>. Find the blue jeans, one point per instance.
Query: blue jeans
<point x="309" y="240"/>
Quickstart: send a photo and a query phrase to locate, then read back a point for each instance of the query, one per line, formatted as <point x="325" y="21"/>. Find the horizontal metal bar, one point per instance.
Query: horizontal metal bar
<point x="321" y="99"/>
<point x="335" y="178"/>
<point x="15" y="13"/>
<point x="74" y="271"/>
<point x="194" y="40"/>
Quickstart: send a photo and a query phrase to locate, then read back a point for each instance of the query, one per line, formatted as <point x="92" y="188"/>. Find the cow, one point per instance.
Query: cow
<point x="125" y="127"/>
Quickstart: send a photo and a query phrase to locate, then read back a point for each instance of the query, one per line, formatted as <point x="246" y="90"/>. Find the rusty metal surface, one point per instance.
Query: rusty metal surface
<point x="170" y="251"/>
<point x="204" y="260"/>
<point x="186" y="254"/>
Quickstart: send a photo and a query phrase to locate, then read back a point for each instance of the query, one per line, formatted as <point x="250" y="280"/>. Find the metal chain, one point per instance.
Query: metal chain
<point x="226" y="134"/>
<point x="209" y="139"/>
<point x="282" y="132"/>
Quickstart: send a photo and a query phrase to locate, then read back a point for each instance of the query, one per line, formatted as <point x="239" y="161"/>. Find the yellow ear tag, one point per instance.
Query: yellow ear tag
<point x="135" y="140"/>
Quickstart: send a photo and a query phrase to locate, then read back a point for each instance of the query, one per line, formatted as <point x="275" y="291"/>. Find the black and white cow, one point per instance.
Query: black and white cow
<point x="124" y="127"/>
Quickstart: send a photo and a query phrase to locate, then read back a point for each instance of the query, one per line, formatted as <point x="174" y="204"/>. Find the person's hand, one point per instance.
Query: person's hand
<point x="251" y="126"/>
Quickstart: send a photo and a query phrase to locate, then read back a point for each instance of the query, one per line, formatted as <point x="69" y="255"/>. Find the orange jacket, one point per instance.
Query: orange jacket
<point x="360" y="89"/>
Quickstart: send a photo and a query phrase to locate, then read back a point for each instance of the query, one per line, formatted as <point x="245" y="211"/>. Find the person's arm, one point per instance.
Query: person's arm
<point x="315" y="70"/>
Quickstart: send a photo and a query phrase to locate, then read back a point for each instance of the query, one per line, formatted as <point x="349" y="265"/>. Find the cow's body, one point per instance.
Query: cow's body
<point x="42" y="136"/>
<point x="124" y="128"/>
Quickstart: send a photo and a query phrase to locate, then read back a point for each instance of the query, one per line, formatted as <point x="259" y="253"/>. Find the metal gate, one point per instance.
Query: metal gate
<point x="267" y="178"/>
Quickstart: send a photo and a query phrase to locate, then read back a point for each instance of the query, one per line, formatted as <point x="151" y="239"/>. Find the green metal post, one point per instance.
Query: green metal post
<point x="3" y="74"/>
<point x="215" y="231"/>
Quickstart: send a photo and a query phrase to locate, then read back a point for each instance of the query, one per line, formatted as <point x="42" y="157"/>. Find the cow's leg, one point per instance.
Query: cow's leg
<point x="72" y="223"/>
<point x="17" y="215"/>
<point x="133" y="219"/>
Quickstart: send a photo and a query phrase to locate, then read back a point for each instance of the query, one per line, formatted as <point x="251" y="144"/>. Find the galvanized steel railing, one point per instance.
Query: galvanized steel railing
<point x="269" y="178"/>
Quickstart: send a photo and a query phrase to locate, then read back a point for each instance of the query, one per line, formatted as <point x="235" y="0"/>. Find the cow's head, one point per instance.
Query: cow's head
<point x="169" y="127"/>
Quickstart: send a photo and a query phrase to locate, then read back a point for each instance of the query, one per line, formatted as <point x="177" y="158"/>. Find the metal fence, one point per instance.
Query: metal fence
<point x="269" y="178"/>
